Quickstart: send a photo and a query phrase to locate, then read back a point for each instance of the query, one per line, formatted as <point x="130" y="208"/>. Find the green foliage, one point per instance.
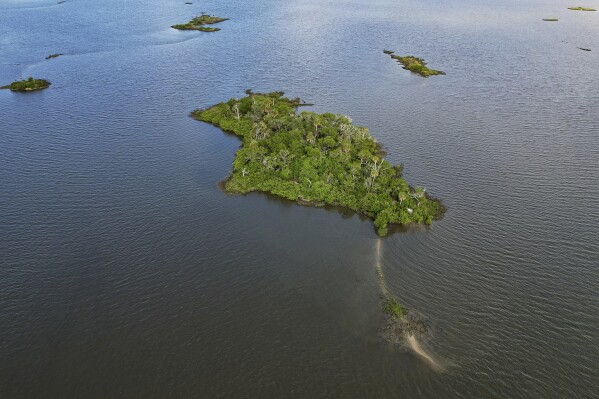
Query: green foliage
<point x="414" y="64"/>
<point x="198" y="23"/>
<point x="319" y="158"/>
<point x="29" y="84"/>
<point x="394" y="308"/>
<point x="207" y="20"/>
<point x="581" y="9"/>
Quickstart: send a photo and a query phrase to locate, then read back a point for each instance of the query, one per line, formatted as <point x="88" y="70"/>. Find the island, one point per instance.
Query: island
<point x="581" y="9"/>
<point x="54" y="56"/>
<point x="414" y="64"/>
<point x="316" y="159"/>
<point x="29" y="84"/>
<point x="550" y="19"/>
<point x="198" y="23"/>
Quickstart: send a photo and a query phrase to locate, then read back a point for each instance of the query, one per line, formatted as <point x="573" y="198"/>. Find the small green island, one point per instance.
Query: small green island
<point x="393" y="308"/>
<point x="414" y="64"/>
<point x="198" y="23"/>
<point x="550" y="19"/>
<point x="316" y="159"/>
<point x="29" y="84"/>
<point x="581" y="9"/>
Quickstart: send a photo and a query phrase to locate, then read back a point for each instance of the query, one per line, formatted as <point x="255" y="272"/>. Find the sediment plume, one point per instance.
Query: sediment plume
<point x="415" y="346"/>
<point x="400" y="328"/>
<point x="379" y="271"/>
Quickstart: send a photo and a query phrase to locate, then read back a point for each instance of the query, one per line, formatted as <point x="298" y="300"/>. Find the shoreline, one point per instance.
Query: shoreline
<point x="340" y="209"/>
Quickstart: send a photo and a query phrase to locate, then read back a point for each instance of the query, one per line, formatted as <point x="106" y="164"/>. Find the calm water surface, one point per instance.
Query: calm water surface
<point x="126" y="273"/>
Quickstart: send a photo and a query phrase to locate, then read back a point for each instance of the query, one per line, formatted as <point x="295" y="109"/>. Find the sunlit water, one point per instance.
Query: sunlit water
<point x="126" y="272"/>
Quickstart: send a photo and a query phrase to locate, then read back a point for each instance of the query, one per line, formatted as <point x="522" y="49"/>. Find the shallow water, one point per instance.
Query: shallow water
<point x="126" y="272"/>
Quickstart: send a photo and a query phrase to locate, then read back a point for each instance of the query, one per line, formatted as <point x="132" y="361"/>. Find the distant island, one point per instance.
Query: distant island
<point x="316" y="159"/>
<point x="581" y="9"/>
<point x="54" y="56"/>
<point x="550" y="19"/>
<point x="28" y="85"/>
<point x="414" y="64"/>
<point x="198" y="23"/>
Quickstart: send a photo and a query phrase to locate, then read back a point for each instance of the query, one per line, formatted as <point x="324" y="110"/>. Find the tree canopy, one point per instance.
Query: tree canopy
<point x="29" y="84"/>
<point x="321" y="158"/>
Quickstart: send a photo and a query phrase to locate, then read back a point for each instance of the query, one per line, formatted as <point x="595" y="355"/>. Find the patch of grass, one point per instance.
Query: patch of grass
<point x="581" y="9"/>
<point x="414" y="64"/>
<point x="394" y="308"/>
<point x="550" y="19"/>
<point x="207" y="20"/>
<point x="198" y="23"/>
<point x="28" y="85"/>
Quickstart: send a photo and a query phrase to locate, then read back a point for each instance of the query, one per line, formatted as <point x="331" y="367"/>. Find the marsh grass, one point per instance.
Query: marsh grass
<point x="198" y="23"/>
<point x="581" y="9"/>
<point x="414" y="64"/>
<point x="393" y="308"/>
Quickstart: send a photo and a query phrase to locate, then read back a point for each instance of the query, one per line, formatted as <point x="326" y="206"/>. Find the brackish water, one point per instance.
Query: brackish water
<point x="126" y="273"/>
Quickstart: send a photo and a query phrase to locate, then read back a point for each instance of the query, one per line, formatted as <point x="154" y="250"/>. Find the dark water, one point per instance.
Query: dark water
<point x="126" y="272"/>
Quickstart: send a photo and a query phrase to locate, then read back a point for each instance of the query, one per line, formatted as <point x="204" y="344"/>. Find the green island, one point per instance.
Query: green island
<point x="316" y="159"/>
<point x="54" y="56"/>
<point x="198" y="23"/>
<point x="414" y="64"/>
<point x="581" y="9"/>
<point x="550" y="19"/>
<point x="29" y="84"/>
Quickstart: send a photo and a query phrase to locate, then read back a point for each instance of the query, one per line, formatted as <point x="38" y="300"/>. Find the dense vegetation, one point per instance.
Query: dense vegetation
<point x="28" y="85"/>
<point x="581" y="9"/>
<point x="414" y="64"/>
<point x="318" y="158"/>
<point x="198" y="23"/>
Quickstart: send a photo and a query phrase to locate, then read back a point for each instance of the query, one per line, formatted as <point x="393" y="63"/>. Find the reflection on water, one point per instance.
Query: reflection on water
<point x="127" y="272"/>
